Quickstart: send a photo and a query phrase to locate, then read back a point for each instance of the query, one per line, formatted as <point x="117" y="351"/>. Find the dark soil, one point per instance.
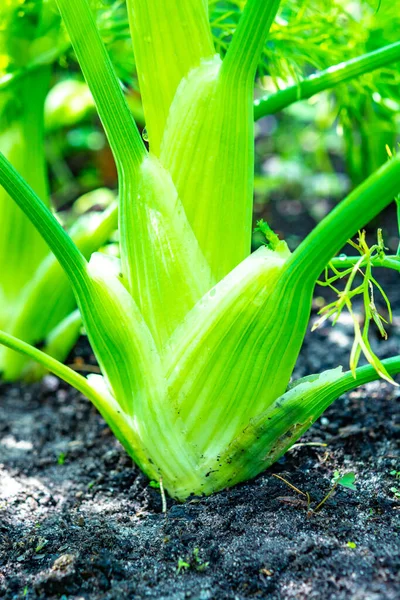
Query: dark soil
<point x="78" y="520"/>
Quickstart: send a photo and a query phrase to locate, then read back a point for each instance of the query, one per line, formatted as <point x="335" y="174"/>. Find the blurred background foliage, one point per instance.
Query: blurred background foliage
<point x="307" y="157"/>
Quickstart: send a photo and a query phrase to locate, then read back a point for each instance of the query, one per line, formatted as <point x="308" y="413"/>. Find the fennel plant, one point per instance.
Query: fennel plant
<point x="197" y="338"/>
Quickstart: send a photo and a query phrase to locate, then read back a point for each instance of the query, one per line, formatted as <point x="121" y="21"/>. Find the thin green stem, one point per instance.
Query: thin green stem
<point x="249" y="38"/>
<point x="362" y="205"/>
<point x="77" y="381"/>
<point x="328" y="495"/>
<point x="58" y="240"/>
<point x="106" y="405"/>
<point x="368" y="373"/>
<point x="121" y="130"/>
<point x="346" y="262"/>
<point x="327" y="79"/>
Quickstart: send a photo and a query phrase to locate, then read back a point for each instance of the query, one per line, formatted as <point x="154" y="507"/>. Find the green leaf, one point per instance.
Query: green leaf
<point x="347" y="480"/>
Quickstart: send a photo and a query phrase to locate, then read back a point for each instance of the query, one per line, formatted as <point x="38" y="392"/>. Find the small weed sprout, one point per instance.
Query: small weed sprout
<point x="195" y="562"/>
<point x="61" y="458"/>
<point x="347" y="480"/>
<point x="395" y="490"/>
<point x="182" y="566"/>
<point x="42" y="542"/>
<point x="199" y="564"/>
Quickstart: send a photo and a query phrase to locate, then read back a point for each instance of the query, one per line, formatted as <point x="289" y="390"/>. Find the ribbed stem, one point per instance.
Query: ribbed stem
<point x="40" y="216"/>
<point x="249" y="38"/>
<point x="120" y="127"/>
<point x="366" y="374"/>
<point x="344" y="71"/>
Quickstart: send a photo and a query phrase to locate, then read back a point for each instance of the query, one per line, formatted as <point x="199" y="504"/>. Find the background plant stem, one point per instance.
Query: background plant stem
<point x="22" y="141"/>
<point x="327" y="79"/>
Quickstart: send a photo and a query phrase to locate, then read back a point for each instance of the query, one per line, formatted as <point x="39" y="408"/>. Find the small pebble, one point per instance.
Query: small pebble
<point x="50" y="383"/>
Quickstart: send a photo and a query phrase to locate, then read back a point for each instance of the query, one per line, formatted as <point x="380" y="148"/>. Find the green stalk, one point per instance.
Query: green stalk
<point x="388" y="262"/>
<point x="65" y="373"/>
<point x="249" y="38"/>
<point x="362" y="205"/>
<point x="344" y="71"/>
<point x="40" y="216"/>
<point x="22" y="141"/>
<point x="169" y="40"/>
<point x="208" y="143"/>
<point x="365" y="374"/>
<point x="121" y="130"/>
